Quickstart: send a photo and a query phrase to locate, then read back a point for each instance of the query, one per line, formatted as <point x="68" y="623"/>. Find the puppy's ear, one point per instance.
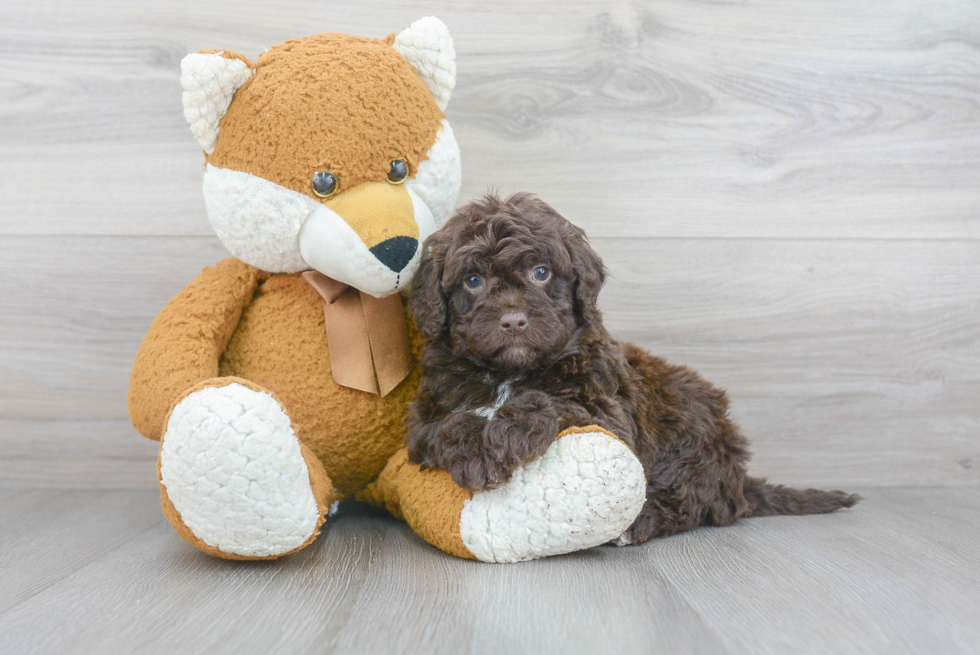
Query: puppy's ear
<point x="427" y="300"/>
<point x="590" y="273"/>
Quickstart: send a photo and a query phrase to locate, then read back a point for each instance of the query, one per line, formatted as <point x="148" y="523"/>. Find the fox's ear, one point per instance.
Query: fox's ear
<point x="210" y="79"/>
<point x="427" y="45"/>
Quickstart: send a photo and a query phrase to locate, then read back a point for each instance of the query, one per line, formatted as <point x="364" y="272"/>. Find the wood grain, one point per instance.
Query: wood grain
<point x="786" y="194"/>
<point x="48" y="535"/>
<point x="896" y="574"/>
<point x="815" y="119"/>
<point x="878" y="578"/>
<point x="848" y="362"/>
<point x="70" y="332"/>
<point x="857" y="359"/>
<point x="76" y="453"/>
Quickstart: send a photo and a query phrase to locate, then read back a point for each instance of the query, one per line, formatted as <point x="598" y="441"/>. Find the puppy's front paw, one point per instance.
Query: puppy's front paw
<point x="478" y="473"/>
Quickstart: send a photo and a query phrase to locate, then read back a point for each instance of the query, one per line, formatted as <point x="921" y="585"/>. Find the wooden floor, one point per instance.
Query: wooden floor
<point x="101" y="571"/>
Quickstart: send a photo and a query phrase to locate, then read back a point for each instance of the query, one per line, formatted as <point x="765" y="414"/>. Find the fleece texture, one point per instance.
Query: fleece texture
<point x="281" y="344"/>
<point x="428" y="46"/>
<point x="584" y="491"/>
<point x="234" y="321"/>
<point x="186" y="340"/>
<point x="236" y="475"/>
<point x="258" y="221"/>
<point x="209" y="80"/>
<point x="231" y="465"/>
<point x="439" y="177"/>
<point x="429" y="501"/>
<point x="330" y="102"/>
<point x="363" y="106"/>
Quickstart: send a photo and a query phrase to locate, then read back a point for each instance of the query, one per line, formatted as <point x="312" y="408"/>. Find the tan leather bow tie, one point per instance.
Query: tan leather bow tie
<point x="367" y="336"/>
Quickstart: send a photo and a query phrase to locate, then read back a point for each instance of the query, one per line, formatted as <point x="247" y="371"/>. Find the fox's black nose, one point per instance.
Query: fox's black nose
<point x="396" y="252"/>
<point x="513" y="323"/>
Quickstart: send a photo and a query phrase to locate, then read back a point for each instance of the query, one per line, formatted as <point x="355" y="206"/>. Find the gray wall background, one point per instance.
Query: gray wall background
<point x="786" y="194"/>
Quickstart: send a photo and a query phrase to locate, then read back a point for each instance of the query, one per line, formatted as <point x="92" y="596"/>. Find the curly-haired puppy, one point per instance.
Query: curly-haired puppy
<point x="516" y="351"/>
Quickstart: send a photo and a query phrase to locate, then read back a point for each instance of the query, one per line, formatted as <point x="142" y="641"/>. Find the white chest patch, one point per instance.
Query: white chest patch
<point x="501" y="396"/>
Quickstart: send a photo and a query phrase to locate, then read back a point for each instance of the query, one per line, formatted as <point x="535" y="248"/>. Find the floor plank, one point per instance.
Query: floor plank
<point x="161" y="595"/>
<point x="73" y="453"/>
<point x="75" y="313"/>
<point x="874" y="581"/>
<point x="762" y="119"/>
<point x="896" y="574"/>
<point x="50" y="534"/>
<point x="847" y="362"/>
<point x="581" y="603"/>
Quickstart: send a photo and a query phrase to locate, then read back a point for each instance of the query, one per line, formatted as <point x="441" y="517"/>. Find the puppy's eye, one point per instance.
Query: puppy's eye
<point x="324" y="184"/>
<point x="540" y="274"/>
<point x="473" y="282"/>
<point x="398" y="172"/>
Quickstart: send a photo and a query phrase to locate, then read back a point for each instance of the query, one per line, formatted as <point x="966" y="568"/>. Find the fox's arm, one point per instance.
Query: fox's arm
<point x="186" y="341"/>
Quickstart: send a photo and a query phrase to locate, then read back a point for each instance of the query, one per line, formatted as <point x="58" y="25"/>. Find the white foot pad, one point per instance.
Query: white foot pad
<point x="232" y="467"/>
<point x="585" y="491"/>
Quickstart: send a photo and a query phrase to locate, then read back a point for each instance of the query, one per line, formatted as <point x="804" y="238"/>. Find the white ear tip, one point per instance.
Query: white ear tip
<point x="428" y="24"/>
<point x="209" y="82"/>
<point x="426" y="43"/>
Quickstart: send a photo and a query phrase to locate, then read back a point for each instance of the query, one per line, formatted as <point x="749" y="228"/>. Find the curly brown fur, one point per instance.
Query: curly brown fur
<point x="506" y="298"/>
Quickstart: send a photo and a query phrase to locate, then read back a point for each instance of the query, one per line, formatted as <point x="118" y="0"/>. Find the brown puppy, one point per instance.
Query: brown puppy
<point x="516" y="351"/>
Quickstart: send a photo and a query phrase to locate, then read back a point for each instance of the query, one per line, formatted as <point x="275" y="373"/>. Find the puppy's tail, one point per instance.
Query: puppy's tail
<point x="771" y="499"/>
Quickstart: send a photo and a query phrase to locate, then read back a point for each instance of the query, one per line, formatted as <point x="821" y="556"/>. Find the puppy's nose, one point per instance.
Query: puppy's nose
<point x="513" y="323"/>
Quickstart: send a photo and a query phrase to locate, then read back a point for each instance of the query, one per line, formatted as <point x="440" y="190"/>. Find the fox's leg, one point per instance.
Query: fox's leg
<point x="235" y="481"/>
<point x="584" y="491"/>
<point x="186" y="340"/>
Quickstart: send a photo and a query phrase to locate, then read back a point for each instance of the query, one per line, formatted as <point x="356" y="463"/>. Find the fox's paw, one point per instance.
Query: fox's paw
<point x="586" y="490"/>
<point x="234" y="479"/>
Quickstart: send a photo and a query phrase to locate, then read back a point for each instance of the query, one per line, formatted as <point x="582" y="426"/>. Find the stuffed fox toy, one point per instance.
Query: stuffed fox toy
<point x="278" y="381"/>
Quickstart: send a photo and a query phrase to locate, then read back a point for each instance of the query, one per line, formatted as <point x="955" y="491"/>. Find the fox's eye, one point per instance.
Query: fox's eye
<point x="398" y="172"/>
<point x="473" y="282"/>
<point x="324" y="184"/>
<point x="540" y="274"/>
